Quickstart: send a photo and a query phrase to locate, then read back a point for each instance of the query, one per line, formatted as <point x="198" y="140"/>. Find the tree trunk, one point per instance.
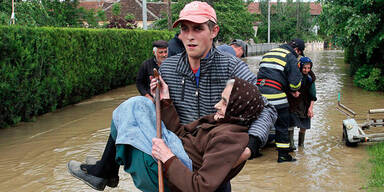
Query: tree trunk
<point x="169" y="15"/>
<point x="297" y="16"/>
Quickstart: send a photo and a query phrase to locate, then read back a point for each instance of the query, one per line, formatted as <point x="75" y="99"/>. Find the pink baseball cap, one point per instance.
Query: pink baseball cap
<point x="197" y="12"/>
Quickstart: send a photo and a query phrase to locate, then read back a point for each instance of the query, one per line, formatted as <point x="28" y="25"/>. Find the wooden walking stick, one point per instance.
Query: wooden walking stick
<point x="158" y="129"/>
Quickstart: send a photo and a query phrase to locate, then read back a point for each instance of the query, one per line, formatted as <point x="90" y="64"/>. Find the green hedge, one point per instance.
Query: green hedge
<point x="47" y="68"/>
<point x="367" y="73"/>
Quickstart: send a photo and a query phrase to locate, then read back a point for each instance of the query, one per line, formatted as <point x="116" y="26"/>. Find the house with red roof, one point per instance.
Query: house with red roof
<point x="155" y="10"/>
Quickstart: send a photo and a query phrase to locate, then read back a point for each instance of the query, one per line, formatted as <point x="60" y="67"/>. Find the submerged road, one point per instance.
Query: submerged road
<point x="34" y="154"/>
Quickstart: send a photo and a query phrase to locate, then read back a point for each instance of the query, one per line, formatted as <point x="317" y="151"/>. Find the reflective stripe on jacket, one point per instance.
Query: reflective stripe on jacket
<point x="279" y="65"/>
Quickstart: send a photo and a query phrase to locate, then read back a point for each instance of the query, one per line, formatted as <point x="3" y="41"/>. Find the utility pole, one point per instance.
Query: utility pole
<point x="269" y="22"/>
<point x="169" y="15"/>
<point x="144" y="14"/>
<point x="297" y="15"/>
<point x="13" y="13"/>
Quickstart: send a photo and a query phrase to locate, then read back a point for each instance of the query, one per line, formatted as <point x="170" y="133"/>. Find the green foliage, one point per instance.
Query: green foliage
<point x="47" y="13"/>
<point x="357" y="26"/>
<point x="47" y="68"/>
<point x="129" y="17"/>
<point x="89" y="16"/>
<point x="5" y="11"/>
<point x="57" y="13"/>
<point x="288" y="20"/>
<point x="116" y="9"/>
<point x="233" y="18"/>
<point x="376" y="179"/>
<point x="369" y="78"/>
<point x="101" y="15"/>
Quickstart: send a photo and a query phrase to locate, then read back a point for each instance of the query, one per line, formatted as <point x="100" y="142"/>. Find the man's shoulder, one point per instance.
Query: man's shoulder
<point x="171" y="61"/>
<point x="223" y="47"/>
<point x="149" y="61"/>
<point x="169" y="65"/>
<point x="222" y="55"/>
<point x="226" y="49"/>
<point x="227" y="60"/>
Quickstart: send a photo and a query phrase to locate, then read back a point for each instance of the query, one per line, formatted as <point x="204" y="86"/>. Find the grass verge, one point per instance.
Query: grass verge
<point x="376" y="160"/>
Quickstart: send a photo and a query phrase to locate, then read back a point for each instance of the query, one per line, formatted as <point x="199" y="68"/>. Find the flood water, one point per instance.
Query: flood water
<point x="34" y="154"/>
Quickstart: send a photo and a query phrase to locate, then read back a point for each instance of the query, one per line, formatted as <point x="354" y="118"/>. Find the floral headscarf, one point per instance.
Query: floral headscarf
<point x="245" y="103"/>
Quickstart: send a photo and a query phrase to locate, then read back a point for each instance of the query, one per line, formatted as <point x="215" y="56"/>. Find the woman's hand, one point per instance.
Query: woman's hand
<point x="310" y="109"/>
<point x="310" y="112"/>
<point x="243" y="157"/>
<point x="295" y="94"/>
<point x="164" y="91"/>
<point x="160" y="150"/>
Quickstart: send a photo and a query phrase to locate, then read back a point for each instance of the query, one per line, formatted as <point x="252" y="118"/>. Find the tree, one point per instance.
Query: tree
<point x="358" y="27"/>
<point x="5" y="11"/>
<point x="57" y="13"/>
<point x="288" y="20"/>
<point x="42" y="13"/>
<point x="233" y="18"/>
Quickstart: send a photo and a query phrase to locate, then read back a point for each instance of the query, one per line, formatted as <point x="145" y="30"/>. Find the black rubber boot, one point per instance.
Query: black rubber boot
<point x="301" y="139"/>
<point x="284" y="156"/>
<point x="107" y="166"/>
<point x="292" y="146"/>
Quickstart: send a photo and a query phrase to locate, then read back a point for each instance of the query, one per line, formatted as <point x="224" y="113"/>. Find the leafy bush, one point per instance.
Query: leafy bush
<point x="46" y="68"/>
<point x="358" y="27"/>
<point x="369" y="78"/>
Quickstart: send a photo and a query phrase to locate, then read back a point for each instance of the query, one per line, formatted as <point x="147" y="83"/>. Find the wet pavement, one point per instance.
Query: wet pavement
<point x="34" y="154"/>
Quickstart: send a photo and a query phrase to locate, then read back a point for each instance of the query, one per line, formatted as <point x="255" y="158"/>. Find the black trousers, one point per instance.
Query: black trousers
<point x="106" y="167"/>
<point x="281" y="126"/>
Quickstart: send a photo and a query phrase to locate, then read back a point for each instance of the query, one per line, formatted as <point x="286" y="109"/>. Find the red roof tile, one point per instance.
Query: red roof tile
<point x="316" y="8"/>
<point x="91" y="4"/>
<point x="154" y="9"/>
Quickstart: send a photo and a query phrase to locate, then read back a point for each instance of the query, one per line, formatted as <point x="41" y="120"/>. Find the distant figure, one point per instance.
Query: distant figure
<point x="237" y="48"/>
<point x="301" y="108"/>
<point x="175" y="46"/>
<point x="160" y="52"/>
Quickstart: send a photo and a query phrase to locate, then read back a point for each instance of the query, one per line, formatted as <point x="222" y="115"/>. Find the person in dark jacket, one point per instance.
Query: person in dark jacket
<point x="277" y="75"/>
<point x="301" y="108"/>
<point x="160" y="52"/>
<point x="175" y="46"/>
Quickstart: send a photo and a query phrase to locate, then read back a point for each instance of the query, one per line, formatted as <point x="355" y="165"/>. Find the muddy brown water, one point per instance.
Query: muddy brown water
<point x="34" y="154"/>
